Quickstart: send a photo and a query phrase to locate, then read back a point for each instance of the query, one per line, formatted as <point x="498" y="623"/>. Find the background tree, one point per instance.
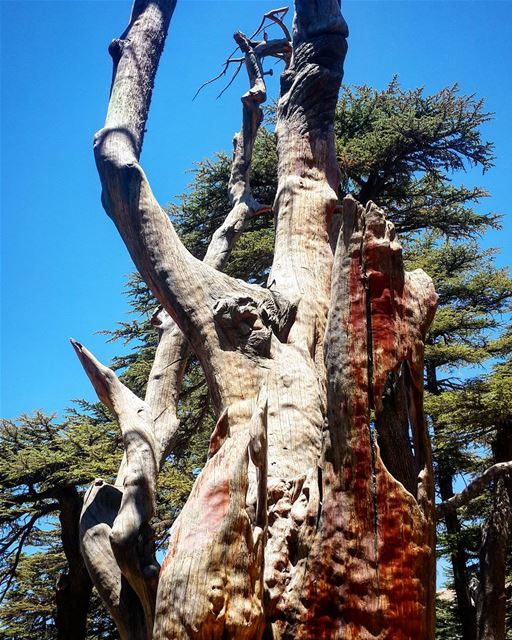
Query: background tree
<point x="476" y="418"/>
<point x="473" y="295"/>
<point x="42" y="469"/>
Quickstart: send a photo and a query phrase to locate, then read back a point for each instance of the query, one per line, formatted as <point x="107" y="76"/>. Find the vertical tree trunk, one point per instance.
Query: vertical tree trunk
<point x="295" y="528"/>
<point x="491" y="604"/>
<point x="73" y="589"/>
<point x="372" y="563"/>
<point x="466" y="609"/>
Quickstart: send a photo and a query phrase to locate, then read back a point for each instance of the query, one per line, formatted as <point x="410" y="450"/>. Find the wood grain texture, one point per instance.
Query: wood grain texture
<point x="212" y="577"/>
<point x="371" y="573"/>
<point x="313" y="517"/>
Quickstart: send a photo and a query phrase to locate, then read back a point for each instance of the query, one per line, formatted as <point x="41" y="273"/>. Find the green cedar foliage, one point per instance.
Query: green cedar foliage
<point x="41" y="462"/>
<point x="400" y="148"/>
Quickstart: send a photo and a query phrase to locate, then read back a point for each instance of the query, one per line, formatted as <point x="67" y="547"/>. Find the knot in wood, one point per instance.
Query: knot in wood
<point x="115" y="49"/>
<point x="248" y="324"/>
<point x="241" y="324"/>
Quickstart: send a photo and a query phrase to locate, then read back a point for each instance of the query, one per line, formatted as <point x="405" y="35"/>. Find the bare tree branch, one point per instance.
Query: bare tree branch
<point x="474" y="488"/>
<point x="130" y="536"/>
<point x="23" y="533"/>
<point x="187" y="288"/>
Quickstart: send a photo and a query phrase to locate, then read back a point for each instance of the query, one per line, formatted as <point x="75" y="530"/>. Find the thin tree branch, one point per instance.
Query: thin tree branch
<point x="229" y="61"/>
<point x="474" y="488"/>
<point x="27" y="528"/>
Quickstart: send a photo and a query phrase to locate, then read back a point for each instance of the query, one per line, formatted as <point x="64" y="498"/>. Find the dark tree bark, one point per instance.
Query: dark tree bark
<point x="465" y="605"/>
<point x="481" y="611"/>
<point x="491" y="601"/>
<point x="297" y="527"/>
<point x="73" y="589"/>
<point x="445" y="476"/>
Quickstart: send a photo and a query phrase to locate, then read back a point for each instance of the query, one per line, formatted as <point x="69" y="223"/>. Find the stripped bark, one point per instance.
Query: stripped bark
<point x="298" y="526"/>
<point x="371" y="571"/>
<point x="212" y="576"/>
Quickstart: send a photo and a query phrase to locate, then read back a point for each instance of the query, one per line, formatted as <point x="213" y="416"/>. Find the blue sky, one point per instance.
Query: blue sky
<point x="63" y="265"/>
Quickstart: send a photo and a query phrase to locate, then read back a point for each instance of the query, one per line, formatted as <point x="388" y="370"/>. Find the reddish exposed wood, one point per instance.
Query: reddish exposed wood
<point x="372" y="571"/>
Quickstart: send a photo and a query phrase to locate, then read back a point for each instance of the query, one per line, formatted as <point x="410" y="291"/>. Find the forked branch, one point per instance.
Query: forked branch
<point x="129" y="538"/>
<point x="117" y="541"/>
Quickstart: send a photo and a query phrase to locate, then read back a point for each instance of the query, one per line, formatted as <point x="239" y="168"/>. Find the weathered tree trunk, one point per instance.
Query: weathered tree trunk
<point x="371" y="570"/>
<point x="298" y="526"/>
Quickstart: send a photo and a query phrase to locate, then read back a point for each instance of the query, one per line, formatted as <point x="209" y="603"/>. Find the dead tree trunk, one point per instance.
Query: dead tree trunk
<point x="298" y="526"/>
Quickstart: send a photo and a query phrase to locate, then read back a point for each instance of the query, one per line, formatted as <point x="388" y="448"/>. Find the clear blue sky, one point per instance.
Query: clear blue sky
<point x="63" y="264"/>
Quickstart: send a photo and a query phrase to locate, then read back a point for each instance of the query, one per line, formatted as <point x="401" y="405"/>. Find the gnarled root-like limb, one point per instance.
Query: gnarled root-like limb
<point x="101" y="506"/>
<point x="127" y="523"/>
